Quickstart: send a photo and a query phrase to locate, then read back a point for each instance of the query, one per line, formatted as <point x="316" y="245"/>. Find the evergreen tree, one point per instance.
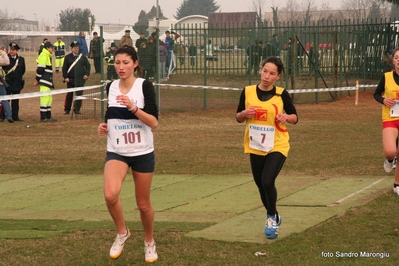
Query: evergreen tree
<point x="196" y="7"/>
<point x="76" y="19"/>
<point x="142" y="23"/>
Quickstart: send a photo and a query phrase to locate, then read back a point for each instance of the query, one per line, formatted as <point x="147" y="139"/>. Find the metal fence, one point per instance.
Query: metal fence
<point x="337" y="50"/>
<point x="324" y="54"/>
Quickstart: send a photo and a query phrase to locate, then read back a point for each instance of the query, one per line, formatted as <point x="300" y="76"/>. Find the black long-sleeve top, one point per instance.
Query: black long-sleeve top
<point x="381" y="87"/>
<point x="289" y="107"/>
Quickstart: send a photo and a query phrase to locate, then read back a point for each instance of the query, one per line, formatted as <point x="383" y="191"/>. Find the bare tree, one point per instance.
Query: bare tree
<point x="394" y="11"/>
<point x="257" y="6"/>
<point x="357" y="9"/>
<point x="275" y="16"/>
<point x="375" y="12"/>
<point x="5" y="23"/>
<point x="291" y="11"/>
<point x="309" y="7"/>
<point x="327" y="13"/>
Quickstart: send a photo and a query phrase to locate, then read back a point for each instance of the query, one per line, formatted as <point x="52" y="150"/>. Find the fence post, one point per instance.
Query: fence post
<point x="205" y="63"/>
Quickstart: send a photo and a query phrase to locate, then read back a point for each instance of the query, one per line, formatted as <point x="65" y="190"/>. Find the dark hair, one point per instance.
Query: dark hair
<point x="389" y="57"/>
<point x="275" y="60"/>
<point x="129" y="50"/>
<point x="394" y="51"/>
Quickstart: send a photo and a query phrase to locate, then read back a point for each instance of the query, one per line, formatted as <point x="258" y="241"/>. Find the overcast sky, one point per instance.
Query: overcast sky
<point x="126" y="11"/>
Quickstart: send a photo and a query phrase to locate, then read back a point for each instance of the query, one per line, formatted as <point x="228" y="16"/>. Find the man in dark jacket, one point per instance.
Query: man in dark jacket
<point x="96" y="52"/>
<point x="75" y="71"/>
<point x="14" y="75"/>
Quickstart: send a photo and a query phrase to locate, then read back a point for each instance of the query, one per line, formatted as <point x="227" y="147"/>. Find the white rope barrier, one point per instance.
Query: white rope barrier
<point x="87" y="96"/>
<point x="91" y="96"/>
<point x="52" y="92"/>
<point x="351" y="88"/>
<point x="240" y="89"/>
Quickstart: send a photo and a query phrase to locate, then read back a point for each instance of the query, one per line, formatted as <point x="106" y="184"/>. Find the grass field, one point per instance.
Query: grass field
<point x="332" y="140"/>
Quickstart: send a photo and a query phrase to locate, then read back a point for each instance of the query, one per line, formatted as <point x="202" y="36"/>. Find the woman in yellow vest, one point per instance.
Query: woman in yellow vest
<point x="266" y="109"/>
<point x="387" y="93"/>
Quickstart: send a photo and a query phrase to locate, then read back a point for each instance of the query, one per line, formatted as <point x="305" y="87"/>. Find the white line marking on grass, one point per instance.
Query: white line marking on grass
<point x="354" y="193"/>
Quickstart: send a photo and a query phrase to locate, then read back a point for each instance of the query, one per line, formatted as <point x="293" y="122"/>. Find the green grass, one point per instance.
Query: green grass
<point x="331" y="140"/>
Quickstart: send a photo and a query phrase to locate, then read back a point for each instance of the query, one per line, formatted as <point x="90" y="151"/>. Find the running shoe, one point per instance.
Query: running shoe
<point x="271" y="229"/>
<point x="388" y="166"/>
<point x="150" y="251"/>
<point x="396" y="190"/>
<point x="394" y="162"/>
<point x="119" y="243"/>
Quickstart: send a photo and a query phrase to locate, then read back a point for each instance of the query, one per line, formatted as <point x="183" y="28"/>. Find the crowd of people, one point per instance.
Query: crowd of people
<point x="74" y="67"/>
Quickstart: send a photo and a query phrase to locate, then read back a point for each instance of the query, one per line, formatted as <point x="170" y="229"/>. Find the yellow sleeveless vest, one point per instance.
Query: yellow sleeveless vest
<point x="391" y="90"/>
<point x="265" y="117"/>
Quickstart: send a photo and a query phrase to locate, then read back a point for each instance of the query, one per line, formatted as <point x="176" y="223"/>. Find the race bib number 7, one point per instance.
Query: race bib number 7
<point x="261" y="137"/>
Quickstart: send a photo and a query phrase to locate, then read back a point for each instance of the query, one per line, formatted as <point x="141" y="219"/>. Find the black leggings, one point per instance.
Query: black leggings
<point x="265" y="170"/>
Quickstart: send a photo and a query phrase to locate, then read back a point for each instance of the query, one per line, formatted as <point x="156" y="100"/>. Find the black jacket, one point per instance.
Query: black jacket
<point x="75" y="75"/>
<point x="15" y="77"/>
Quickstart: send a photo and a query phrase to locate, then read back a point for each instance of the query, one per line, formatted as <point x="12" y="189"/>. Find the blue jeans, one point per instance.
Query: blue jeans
<point x="162" y="69"/>
<point x="5" y="104"/>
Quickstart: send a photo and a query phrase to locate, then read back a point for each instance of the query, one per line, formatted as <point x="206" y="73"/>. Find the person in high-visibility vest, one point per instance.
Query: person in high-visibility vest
<point x="59" y="49"/>
<point x="44" y="78"/>
<point x="109" y="58"/>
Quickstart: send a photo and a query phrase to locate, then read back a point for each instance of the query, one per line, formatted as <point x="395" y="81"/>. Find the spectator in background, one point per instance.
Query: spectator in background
<point x="276" y="45"/>
<point x="59" y="50"/>
<point x="163" y="56"/>
<point x="15" y="77"/>
<point x="152" y="56"/>
<point x="110" y="59"/>
<point x="82" y="43"/>
<point x="169" y="43"/>
<point x="4" y="61"/>
<point x="96" y="51"/>
<point x="42" y="45"/>
<point x="312" y="57"/>
<point x="256" y="54"/>
<point x="181" y="52"/>
<point x="300" y="53"/>
<point x="144" y="59"/>
<point x="140" y="40"/>
<point x="267" y="50"/>
<point x="288" y="60"/>
<point x="44" y="78"/>
<point x="76" y="71"/>
<point x="126" y="39"/>
<point x="209" y="54"/>
<point x="192" y="52"/>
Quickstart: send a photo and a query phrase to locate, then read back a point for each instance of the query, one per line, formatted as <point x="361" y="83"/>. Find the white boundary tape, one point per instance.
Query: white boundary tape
<point x="62" y="91"/>
<point x="239" y="89"/>
<point x="91" y="97"/>
<point x="52" y="92"/>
